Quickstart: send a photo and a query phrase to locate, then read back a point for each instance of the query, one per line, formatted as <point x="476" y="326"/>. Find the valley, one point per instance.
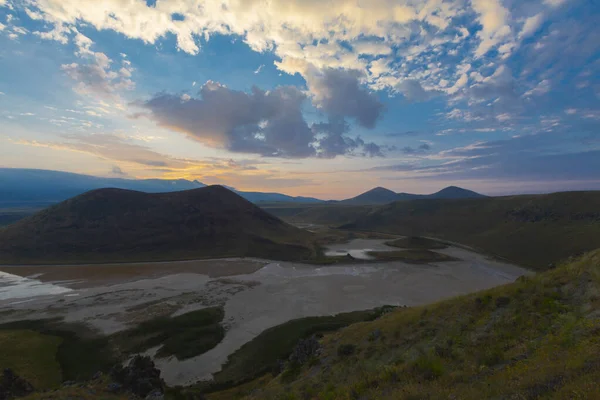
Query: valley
<point x="255" y="294"/>
<point x="219" y="292"/>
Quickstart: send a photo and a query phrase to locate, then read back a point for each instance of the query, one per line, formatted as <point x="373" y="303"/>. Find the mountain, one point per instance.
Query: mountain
<point x="123" y="225"/>
<point x="533" y="230"/>
<point x="260" y="197"/>
<point x="381" y="195"/>
<point x="377" y="195"/>
<point x="21" y="187"/>
<point x="454" y="192"/>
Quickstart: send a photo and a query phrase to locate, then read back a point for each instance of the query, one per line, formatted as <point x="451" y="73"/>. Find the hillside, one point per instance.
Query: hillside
<point x="454" y="192"/>
<point x="532" y="230"/>
<point x="122" y="225"/>
<point x="535" y="338"/>
<point x="381" y="195"/>
<point x="377" y="195"/>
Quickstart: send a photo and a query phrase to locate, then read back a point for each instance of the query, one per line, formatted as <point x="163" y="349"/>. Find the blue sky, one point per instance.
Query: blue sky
<point x="307" y="97"/>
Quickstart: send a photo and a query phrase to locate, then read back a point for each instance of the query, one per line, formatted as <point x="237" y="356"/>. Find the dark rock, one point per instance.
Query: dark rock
<point x="69" y="383"/>
<point x="97" y="375"/>
<point x="114" y="387"/>
<point x="502" y="301"/>
<point x="155" y="395"/>
<point x="278" y="367"/>
<point x="345" y="350"/>
<point x="375" y="335"/>
<point x="140" y="377"/>
<point x="305" y="350"/>
<point x="12" y="386"/>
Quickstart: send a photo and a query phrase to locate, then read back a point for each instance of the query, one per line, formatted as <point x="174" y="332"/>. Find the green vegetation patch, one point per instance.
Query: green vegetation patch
<point x="262" y="354"/>
<point x="184" y="336"/>
<point x="32" y="356"/>
<point x="417" y="242"/>
<point x="55" y="350"/>
<point x="80" y="354"/>
<point x="411" y="256"/>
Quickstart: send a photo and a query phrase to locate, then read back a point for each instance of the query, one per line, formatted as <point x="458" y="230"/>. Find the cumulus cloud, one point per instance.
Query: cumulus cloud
<point x="339" y="93"/>
<point x="98" y="77"/>
<point x="268" y="123"/>
<point x="338" y="34"/>
<point x="494" y="21"/>
<point x="413" y="91"/>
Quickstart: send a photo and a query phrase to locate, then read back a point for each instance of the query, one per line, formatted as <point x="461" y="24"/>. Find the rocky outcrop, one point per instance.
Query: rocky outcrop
<point x="13" y="386"/>
<point x="140" y="377"/>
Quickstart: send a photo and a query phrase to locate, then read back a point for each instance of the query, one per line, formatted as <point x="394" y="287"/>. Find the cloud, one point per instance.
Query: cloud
<point x="494" y="21"/>
<point x="97" y="77"/>
<point x="413" y="91"/>
<point x="372" y="48"/>
<point x="260" y="67"/>
<point x="391" y="44"/>
<point x="267" y="123"/>
<point x="116" y="170"/>
<point x="531" y="25"/>
<point x="112" y="147"/>
<point x="339" y="94"/>
<point x="423" y="148"/>
<point x="402" y="134"/>
<point x="298" y="29"/>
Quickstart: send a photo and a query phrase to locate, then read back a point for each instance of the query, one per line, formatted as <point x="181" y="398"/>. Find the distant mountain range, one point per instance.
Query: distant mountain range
<point x="381" y="195"/>
<point x="122" y="225"/>
<point x="38" y="187"/>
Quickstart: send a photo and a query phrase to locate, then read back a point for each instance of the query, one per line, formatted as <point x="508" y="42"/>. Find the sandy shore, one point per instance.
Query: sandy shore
<point x="256" y="294"/>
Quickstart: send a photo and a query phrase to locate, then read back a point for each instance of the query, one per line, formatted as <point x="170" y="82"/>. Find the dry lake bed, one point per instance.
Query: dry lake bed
<point x="256" y="294"/>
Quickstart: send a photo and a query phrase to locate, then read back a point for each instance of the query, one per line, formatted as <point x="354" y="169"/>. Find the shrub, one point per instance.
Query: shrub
<point x="345" y="350"/>
<point x="429" y="367"/>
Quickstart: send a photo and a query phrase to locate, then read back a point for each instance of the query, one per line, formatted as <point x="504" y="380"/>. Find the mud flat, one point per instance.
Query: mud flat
<point x="256" y="294"/>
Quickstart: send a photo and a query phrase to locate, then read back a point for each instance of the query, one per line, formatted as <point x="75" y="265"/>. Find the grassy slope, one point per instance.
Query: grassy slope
<point x="534" y="231"/>
<point x="536" y="338"/>
<point x="32" y="356"/>
<point x="120" y="225"/>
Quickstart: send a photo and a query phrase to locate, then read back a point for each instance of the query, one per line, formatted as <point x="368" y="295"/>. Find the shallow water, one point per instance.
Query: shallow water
<point x="254" y="299"/>
<point x="17" y="287"/>
<point x="358" y="248"/>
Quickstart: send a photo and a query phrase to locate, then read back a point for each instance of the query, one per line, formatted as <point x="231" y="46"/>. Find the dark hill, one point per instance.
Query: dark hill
<point x="381" y="195"/>
<point x="533" y="230"/>
<point x="123" y="225"/>
<point x="377" y="195"/>
<point x="455" y="192"/>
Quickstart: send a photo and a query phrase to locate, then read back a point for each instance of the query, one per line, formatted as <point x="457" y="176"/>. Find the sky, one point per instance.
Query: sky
<point x="324" y="98"/>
